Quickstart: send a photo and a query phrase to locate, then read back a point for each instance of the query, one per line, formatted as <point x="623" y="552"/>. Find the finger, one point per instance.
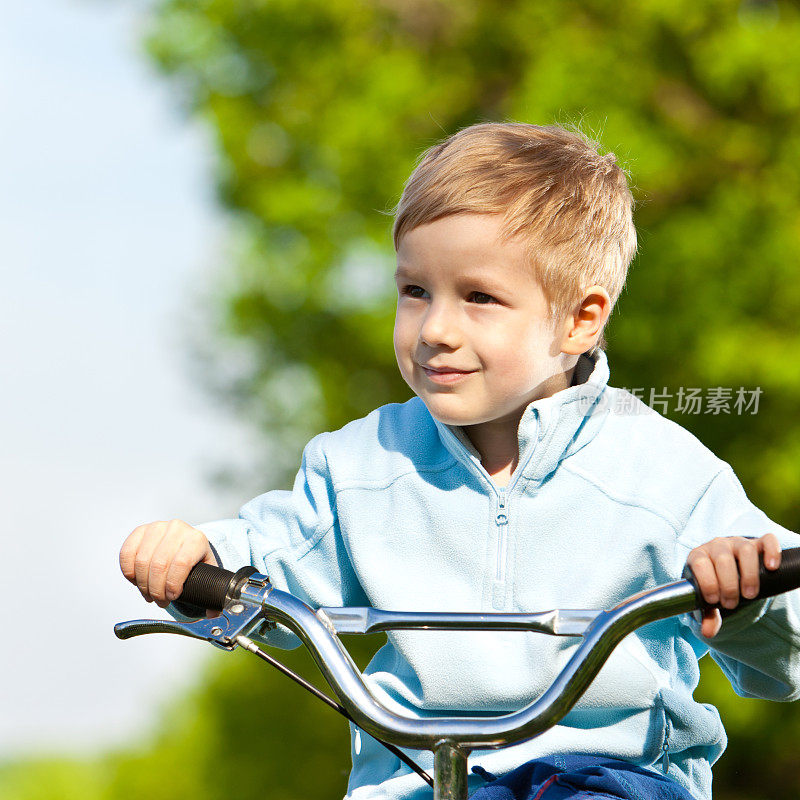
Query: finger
<point x="747" y="559"/>
<point x="209" y="557"/>
<point x="161" y="562"/>
<point x="127" y="553"/>
<point x="705" y="575"/>
<point x="153" y="534"/>
<point x="727" y="573"/>
<point x="192" y="550"/>
<point x="712" y="622"/>
<point x="771" y="548"/>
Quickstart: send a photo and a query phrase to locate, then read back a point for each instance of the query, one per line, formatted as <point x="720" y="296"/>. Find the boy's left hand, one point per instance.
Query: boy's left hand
<point x="727" y="567"/>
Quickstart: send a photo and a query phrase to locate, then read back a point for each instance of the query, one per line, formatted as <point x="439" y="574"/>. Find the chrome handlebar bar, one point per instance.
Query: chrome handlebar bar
<point x="251" y="605"/>
<point x="600" y="636"/>
<point x="258" y="602"/>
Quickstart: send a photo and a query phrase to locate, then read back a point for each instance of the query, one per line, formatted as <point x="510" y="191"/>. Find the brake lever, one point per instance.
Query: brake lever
<point x="237" y="619"/>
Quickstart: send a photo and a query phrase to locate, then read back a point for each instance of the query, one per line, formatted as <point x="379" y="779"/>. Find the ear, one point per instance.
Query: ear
<point x="582" y="328"/>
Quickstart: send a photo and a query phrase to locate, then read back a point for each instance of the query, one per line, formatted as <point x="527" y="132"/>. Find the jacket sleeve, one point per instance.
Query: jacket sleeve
<point x="294" y="538"/>
<point x="758" y="648"/>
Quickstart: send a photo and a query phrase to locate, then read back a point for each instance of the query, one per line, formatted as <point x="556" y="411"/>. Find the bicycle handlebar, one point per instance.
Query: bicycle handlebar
<point x="770" y="582"/>
<point x="249" y="603"/>
<point x="212" y="587"/>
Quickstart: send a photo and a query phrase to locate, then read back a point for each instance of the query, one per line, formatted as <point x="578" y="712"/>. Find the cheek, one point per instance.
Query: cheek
<point x="403" y="350"/>
<point x="402" y="338"/>
<point x="407" y="322"/>
<point x="517" y="359"/>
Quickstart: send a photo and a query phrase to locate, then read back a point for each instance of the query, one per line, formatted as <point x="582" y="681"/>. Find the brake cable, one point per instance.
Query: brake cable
<point x="251" y="646"/>
<point x="214" y="587"/>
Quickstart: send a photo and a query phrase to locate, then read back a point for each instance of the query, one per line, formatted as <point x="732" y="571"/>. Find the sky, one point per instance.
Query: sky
<point x="109" y="233"/>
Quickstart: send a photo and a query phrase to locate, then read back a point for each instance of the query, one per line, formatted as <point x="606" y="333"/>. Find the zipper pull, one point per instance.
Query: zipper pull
<point x="501" y="518"/>
<point x="665" y="746"/>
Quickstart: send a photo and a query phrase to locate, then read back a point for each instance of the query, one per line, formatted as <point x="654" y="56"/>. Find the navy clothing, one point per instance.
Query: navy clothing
<point x="579" y="778"/>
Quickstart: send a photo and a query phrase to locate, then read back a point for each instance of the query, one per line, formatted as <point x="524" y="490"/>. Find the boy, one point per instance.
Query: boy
<point x="517" y="479"/>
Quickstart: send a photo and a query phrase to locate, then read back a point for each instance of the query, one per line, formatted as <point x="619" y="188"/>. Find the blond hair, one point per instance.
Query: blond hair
<point x="553" y="187"/>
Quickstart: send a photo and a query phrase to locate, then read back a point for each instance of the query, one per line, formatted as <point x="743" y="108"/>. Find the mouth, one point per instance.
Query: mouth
<point x="445" y="374"/>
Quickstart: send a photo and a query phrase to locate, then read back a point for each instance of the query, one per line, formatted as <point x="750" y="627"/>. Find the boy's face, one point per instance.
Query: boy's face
<point x="472" y="335"/>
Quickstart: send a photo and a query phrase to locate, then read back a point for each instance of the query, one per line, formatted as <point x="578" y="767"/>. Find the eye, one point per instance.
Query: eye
<point x="481" y="298"/>
<point x="413" y="291"/>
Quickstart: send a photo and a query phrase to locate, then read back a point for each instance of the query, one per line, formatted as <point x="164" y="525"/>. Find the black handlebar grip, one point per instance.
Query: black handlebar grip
<point x="770" y="581"/>
<point x="210" y="587"/>
<point x="783" y="579"/>
<point x="206" y="586"/>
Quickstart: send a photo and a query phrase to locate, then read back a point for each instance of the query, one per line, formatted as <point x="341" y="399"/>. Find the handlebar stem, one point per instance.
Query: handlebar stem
<point x="449" y="771"/>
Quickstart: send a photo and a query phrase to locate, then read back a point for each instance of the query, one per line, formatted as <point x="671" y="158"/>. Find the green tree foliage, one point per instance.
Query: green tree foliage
<point x="320" y="109"/>
<point x="242" y="731"/>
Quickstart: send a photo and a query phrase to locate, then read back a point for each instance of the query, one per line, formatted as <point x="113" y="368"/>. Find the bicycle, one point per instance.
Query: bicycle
<point x="250" y="605"/>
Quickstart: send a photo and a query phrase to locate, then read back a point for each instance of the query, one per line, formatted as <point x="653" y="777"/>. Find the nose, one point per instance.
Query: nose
<point x="440" y="327"/>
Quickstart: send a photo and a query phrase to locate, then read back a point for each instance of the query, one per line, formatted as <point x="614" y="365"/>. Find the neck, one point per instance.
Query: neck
<point x="497" y="441"/>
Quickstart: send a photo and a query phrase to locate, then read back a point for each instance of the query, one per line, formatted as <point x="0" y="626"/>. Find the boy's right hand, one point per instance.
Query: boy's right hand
<point x="157" y="557"/>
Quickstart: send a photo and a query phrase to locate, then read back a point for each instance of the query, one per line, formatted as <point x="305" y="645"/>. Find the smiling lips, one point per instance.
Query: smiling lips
<point x="445" y="374"/>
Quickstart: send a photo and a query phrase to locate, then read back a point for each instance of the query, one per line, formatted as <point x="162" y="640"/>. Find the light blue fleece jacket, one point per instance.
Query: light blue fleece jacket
<point x="395" y="511"/>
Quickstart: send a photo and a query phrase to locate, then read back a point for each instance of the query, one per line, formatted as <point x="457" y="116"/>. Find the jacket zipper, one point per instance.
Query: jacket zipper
<point x="665" y="746"/>
<point x="501" y="520"/>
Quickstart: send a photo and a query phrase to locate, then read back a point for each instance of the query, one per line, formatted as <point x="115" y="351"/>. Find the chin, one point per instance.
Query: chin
<point x="449" y="416"/>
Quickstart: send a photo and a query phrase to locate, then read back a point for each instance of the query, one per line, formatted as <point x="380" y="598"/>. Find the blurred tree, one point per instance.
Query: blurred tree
<point x="320" y="110"/>
<point x="242" y="731"/>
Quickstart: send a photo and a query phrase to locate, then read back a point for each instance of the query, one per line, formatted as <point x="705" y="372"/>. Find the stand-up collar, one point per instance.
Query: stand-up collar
<point x="551" y="428"/>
